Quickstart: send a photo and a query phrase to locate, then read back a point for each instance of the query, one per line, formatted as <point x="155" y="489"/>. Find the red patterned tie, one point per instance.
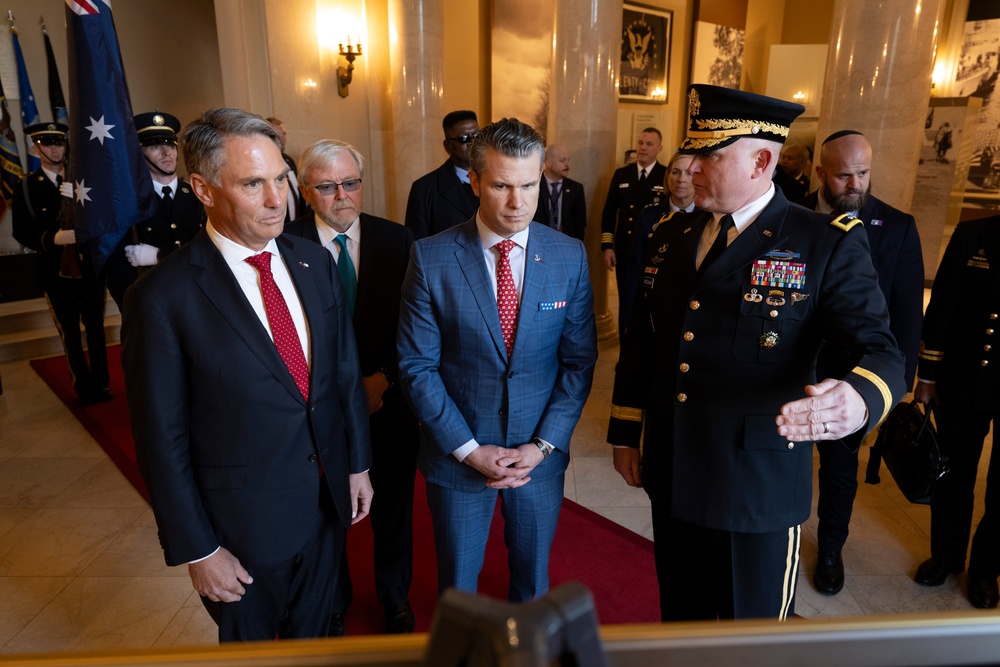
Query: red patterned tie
<point x="506" y="295"/>
<point x="286" y="338"/>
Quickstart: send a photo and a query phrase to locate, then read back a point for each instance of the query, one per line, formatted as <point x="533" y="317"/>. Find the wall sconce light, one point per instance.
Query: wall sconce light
<point x="799" y="97"/>
<point x="345" y="74"/>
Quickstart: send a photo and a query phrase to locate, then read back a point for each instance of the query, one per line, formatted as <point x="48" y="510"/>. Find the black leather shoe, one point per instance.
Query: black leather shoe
<point x="934" y="573"/>
<point x="829" y="575"/>
<point x="337" y="625"/>
<point x="983" y="593"/>
<point x="399" y="619"/>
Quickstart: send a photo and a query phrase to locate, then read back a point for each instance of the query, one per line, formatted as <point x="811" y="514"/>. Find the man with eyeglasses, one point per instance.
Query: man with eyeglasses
<point x="178" y="217"/>
<point x="444" y="198"/>
<point x="371" y="255"/>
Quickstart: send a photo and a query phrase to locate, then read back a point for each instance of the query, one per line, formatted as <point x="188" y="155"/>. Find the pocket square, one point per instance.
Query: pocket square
<point x="552" y="305"/>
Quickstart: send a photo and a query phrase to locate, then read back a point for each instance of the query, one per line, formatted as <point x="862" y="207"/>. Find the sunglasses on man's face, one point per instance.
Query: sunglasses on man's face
<point x="464" y="138"/>
<point x="327" y="189"/>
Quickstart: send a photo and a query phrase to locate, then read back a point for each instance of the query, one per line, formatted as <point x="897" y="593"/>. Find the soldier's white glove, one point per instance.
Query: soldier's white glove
<point x="65" y="237"/>
<point x="66" y="189"/>
<point x="141" y="255"/>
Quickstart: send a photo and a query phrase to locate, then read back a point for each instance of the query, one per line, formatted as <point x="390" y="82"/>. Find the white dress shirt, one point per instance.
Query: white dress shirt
<point x="741" y="217"/>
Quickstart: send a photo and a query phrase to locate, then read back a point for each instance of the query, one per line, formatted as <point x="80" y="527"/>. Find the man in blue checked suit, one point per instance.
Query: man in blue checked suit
<point x="497" y="346"/>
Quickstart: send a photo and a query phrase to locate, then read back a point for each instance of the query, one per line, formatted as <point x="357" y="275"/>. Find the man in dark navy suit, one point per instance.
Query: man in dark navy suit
<point x="372" y="254"/>
<point x="561" y="202"/>
<point x="444" y="198"/>
<point x="845" y="173"/>
<point x="248" y="411"/>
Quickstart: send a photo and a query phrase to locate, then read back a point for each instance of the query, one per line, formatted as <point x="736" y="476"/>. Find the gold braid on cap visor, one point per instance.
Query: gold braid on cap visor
<point x="720" y="129"/>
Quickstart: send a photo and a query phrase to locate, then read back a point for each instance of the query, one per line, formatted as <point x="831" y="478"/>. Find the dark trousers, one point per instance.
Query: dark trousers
<point x="708" y="574"/>
<point x="961" y="431"/>
<point x="291" y="599"/>
<point x="70" y="302"/>
<point x="395" y="442"/>
<point x="838" y="485"/>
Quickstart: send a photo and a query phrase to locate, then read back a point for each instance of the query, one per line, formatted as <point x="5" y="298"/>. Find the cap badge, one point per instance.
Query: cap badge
<point x="694" y="103"/>
<point x="51" y="127"/>
<point x="158" y="119"/>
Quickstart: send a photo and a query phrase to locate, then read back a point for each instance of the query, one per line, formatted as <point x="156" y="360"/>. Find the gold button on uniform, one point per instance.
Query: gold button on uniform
<point x="774" y="313"/>
<point x="173" y="225"/>
<point x="684" y="368"/>
<point x="989" y="332"/>
<point x="681" y="398"/>
<point x="688" y="336"/>
<point x="987" y="348"/>
<point x="984" y="363"/>
<point x="791" y="445"/>
<point x="993" y="316"/>
<point x="694" y="305"/>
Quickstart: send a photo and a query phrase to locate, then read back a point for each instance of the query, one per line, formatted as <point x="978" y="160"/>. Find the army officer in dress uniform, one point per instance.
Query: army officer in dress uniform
<point x="718" y="363"/>
<point x="178" y="218"/>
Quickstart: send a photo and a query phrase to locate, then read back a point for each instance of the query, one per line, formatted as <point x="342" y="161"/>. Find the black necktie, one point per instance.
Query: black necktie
<point x="642" y="175"/>
<point x="554" y="206"/>
<point x="166" y="202"/>
<point x="720" y="243"/>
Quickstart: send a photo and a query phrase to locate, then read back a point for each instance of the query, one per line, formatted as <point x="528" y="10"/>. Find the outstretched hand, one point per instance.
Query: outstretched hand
<point x="831" y="410"/>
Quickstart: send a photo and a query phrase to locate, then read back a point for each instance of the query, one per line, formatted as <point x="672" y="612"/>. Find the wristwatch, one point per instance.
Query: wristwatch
<point x="544" y="447"/>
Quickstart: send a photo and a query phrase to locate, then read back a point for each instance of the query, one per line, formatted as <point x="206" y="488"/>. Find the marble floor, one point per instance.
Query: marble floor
<point x="81" y="568"/>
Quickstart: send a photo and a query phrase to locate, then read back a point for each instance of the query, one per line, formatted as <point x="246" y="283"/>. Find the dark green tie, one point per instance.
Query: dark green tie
<point x="345" y="267"/>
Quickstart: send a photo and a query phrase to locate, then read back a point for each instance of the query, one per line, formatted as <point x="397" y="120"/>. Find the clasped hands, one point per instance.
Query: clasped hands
<point x="141" y="254"/>
<point x="505" y="468"/>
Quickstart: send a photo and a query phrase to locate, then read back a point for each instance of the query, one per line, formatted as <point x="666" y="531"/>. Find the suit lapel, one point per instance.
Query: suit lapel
<point x="219" y="284"/>
<point x="535" y="275"/>
<point x="367" y="264"/>
<point x="471" y="261"/>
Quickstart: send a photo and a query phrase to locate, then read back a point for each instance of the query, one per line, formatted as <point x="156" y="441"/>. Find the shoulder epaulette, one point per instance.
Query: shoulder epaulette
<point x="844" y="222"/>
<point x="664" y="218"/>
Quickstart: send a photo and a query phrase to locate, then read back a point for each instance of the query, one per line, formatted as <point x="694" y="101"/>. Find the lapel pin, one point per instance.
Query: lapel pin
<point x="537" y="258"/>
<point x="304" y="265"/>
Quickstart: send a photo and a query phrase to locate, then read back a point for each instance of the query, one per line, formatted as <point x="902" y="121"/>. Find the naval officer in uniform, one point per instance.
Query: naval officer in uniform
<point x="718" y="364"/>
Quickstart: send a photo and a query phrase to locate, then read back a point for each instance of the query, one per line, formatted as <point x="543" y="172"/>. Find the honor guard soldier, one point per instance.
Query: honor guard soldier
<point x="67" y="277"/>
<point x="179" y="215"/>
<point x="721" y="348"/>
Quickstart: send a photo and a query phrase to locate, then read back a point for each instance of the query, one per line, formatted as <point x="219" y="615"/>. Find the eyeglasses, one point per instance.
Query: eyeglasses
<point x="463" y="138"/>
<point x="327" y="189"/>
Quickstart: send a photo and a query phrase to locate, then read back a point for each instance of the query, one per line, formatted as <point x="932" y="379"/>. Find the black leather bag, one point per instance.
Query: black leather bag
<point x="907" y="442"/>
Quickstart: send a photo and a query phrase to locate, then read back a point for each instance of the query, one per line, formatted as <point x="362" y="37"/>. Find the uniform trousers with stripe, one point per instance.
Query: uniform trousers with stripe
<point x="708" y="574"/>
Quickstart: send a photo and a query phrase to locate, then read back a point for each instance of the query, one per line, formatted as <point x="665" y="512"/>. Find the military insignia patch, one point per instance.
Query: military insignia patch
<point x="769" y="340"/>
<point x="651" y="270"/>
<point x="783" y="254"/>
<point x="772" y="273"/>
<point x="979" y="261"/>
<point x="694" y="103"/>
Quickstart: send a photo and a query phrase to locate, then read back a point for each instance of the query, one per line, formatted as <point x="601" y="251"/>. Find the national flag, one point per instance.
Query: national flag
<point x="56" y="99"/>
<point x="29" y="110"/>
<point x="10" y="162"/>
<point x="111" y="182"/>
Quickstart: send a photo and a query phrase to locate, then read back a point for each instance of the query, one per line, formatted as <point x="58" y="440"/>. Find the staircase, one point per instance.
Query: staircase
<point x="27" y="330"/>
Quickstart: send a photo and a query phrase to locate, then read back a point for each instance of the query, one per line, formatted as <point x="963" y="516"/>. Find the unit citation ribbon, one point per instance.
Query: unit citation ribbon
<point x="772" y="273"/>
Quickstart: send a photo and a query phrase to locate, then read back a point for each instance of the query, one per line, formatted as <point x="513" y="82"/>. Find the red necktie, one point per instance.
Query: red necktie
<point x="506" y="295"/>
<point x="286" y="338"/>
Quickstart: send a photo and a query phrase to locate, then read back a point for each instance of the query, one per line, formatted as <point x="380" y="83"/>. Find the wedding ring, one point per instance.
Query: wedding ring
<point x="826" y="427"/>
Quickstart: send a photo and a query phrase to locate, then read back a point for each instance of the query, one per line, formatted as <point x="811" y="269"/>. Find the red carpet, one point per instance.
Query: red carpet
<point x="614" y="563"/>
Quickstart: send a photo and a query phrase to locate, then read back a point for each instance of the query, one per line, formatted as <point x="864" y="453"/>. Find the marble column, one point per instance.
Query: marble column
<point x="878" y="81"/>
<point x="583" y="117"/>
<point x="416" y="76"/>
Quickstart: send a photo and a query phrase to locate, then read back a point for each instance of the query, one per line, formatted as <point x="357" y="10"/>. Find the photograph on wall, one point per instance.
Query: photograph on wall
<point x="645" y="54"/>
<point x="976" y="75"/>
<point x="718" y="55"/>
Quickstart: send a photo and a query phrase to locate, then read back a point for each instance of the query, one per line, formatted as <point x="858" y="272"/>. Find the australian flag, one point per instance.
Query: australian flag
<point x="29" y="110"/>
<point x="111" y="183"/>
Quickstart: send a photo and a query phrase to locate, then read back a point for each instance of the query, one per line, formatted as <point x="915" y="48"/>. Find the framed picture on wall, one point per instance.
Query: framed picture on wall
<point x="645" y="53"/>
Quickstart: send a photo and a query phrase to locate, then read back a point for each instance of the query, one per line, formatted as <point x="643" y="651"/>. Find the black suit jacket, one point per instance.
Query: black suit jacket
<point x="385" y="253"/>
<point x="35" y="221"/>
<point x="626" y="200"/>
<point x="899" y="263"/>
<point x="573" y="207"/>
<point x="711" y="450"/>
<point x="439" y="200"/>
<point x="226" y="444"/>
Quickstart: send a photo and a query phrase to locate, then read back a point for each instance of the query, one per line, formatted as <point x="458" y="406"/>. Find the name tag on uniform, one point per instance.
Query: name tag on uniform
<point x="623" y="185"/>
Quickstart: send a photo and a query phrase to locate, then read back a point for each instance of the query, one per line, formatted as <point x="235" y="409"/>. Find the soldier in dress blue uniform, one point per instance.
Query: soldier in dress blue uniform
<point x="67" y="277"/>
<point x="957" y="370"/>
<point x="718" y="365"/>
<point x="178" y="218"/>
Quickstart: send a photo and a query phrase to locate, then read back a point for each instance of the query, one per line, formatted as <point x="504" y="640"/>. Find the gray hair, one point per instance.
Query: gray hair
<point x="325" y="151"/>
<point x="507" y="136"/>
<point x="203" y="140"/>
